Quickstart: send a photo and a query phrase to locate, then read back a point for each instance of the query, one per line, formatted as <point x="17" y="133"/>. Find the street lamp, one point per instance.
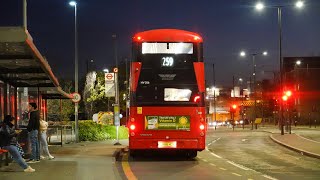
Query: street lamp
<point x="74" y="4"/>
<point x="298" y="62"/>
<point x="260" y="6"/>
<point x="106" y="70"/>
<point x="264" y="53"/>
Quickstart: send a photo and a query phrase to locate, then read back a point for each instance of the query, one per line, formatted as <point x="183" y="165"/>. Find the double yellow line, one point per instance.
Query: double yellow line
<point x="126" y="168"/>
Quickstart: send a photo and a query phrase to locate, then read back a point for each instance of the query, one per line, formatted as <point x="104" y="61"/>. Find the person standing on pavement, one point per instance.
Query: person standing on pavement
<point x="8" y="141"/>
<point x="33" y="127"/>
<point x="44" y="151"/>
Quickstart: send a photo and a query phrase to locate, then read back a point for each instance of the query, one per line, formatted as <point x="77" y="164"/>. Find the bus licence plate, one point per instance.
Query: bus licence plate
<point x="167" y="144"/>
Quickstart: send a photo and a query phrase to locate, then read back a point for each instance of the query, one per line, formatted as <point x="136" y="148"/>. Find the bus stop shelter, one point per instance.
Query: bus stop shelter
<point x="24" y="73"/>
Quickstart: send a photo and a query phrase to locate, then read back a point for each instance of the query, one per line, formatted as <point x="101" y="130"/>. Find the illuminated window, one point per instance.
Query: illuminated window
<point x="167" y="48"/>
<point x="173" y="94"/>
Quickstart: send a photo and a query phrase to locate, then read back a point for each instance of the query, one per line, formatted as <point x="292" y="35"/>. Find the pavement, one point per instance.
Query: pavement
<point x="96" y="160"/>
<point x="74" y="161"/>
<point x="296" y="141"/>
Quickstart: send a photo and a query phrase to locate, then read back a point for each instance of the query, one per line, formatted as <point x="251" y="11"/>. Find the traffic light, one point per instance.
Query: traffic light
<point x="286" y="95"/>
<point x="233" y="108"/>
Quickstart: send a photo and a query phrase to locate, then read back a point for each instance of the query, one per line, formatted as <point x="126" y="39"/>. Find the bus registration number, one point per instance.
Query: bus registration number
<point x="167" y="144"/>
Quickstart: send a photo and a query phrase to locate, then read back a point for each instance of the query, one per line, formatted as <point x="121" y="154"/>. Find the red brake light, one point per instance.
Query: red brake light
<point x="139" y="38"/>
<point x="196" y="99"/>
<point x="132" y="127"/>
<point x="288" y="93"/>
<point x="285" y="98"/>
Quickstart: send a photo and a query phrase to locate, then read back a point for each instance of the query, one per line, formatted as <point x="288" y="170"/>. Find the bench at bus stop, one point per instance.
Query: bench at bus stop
<point x="4" y="157"/>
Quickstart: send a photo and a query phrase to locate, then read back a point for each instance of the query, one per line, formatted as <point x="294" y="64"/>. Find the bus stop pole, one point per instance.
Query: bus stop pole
<point x="116" y="83"/>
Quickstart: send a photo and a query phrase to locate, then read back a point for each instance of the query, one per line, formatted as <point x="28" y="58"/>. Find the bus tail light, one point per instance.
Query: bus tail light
<point x="132" y="119"/>
<point x="132" y="134"/>
<point x="132" y="127"/>
<point x="201" y="127"/>
<point x="201" y="133"/>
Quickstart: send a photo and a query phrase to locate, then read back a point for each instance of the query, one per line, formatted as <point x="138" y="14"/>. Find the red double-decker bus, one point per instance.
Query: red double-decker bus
<point x="167" y="87"/>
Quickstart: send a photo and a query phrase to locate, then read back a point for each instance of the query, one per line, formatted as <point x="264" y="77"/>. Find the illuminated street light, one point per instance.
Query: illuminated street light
<point x="265" y="53"/>
<point x="298" y="62"/>
<point x="106" y="70"/>
<point x="76" y="74"/>
<point x="299" y="4"/>
<point x="242" y="53"/>
<point x="72" y="3"/>
<point x="259" y="6"/>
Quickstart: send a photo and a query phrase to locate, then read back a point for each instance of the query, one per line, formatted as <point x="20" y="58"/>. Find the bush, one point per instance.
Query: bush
<point x="91" y="131"/>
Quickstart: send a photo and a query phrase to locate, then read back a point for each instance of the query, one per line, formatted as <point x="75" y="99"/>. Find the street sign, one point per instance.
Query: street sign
<point x="115" y="70"/>
<point x="109" y="76"/>
<point x="76" y="97"/>
<point x="109" y="84"/>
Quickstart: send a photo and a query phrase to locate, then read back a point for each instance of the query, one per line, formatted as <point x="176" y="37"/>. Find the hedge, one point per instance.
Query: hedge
<point x="91" y="131"/>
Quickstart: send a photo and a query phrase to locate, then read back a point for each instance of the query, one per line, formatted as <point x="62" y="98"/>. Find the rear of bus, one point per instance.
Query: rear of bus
<point x="167" y="88"/>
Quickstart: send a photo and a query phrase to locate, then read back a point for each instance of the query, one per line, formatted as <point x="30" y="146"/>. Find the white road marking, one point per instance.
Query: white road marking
<point x="216" y="155"/>
<point x="213" y="141"/>
<point x="212" y="164"/>
<point x="236" y="174"/>
<point x="204" y="160"/>
<point x="269" y="177"/>
<point x="243" y="140"/>
<point x="307" y="139"/>
<point x="239" y="166"/>
<point x="223" y="169"/>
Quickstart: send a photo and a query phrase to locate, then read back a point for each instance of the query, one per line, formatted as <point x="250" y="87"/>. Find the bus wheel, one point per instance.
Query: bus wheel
<point x="192" y="154"/>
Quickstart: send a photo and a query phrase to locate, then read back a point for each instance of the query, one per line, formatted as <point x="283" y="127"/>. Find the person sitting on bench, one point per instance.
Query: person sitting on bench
<point x="8" y="142"/>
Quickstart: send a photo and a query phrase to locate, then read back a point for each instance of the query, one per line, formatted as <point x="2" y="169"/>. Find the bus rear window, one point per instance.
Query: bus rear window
<point x="173" y="94"/>
<point x="167" y="48"/>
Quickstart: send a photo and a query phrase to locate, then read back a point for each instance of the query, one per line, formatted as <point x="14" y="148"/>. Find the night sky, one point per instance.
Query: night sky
<point x="227" y="26"/>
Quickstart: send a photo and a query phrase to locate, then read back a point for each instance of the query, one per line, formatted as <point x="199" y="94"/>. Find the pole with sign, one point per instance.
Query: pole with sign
<point x="116" y="105"/>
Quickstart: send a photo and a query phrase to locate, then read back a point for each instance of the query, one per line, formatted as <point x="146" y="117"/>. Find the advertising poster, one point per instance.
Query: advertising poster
<point x="167" y="122"/>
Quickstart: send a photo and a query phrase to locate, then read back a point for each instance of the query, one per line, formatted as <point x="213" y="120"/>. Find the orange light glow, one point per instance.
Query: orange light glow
<point x="234" y="106"/>
<point x="196" y="38"/>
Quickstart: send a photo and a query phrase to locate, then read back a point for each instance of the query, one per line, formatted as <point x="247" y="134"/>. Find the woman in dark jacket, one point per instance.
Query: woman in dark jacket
<point x="9" y="135"/>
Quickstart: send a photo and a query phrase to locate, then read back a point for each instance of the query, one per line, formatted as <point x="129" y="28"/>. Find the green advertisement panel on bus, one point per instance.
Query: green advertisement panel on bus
<point x="167" y="122"/>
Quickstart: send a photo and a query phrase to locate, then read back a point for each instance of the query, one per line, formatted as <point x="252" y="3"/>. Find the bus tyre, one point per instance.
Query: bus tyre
<point x="192" y="154"/>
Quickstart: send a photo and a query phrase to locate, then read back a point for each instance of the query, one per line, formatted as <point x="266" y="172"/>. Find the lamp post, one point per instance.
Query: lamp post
<point x="214" y="94"/>
<point x="106" y="70"/>
<point x="74" y="4"/>
<point x="89" y="68"/>
<point x="253" y="55"/>
<point x="260" y="6"/>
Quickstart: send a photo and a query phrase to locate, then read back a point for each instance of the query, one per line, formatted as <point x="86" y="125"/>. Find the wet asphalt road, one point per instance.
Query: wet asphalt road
<point x="239" y="154"/>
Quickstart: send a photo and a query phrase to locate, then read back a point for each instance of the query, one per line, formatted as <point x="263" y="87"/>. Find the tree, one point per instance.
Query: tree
<point x="94" y="94"/>
<point x="67" y="105"/>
